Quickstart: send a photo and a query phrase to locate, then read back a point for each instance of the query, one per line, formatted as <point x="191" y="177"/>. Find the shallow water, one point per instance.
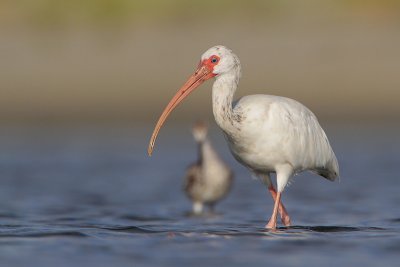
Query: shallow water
<point x="74" y="196"/>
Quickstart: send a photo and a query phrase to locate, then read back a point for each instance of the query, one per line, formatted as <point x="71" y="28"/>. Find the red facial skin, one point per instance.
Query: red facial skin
<point x="203" y="72"/>
<point x="210" y="63"/>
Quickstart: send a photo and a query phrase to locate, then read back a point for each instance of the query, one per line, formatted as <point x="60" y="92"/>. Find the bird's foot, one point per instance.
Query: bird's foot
<point x="271" y="225"/>
<point x="281" y="209"/>
<point x="197" y="208"/>
<point x="286" y="220"/>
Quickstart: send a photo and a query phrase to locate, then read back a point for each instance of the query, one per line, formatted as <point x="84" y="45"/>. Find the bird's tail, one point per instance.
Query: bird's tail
<point x="330" y="171"/>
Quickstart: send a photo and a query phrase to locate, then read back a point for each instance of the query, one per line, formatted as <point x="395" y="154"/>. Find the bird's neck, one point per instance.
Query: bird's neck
<point x="222" y="96"/>
<point x="206" y="152"/>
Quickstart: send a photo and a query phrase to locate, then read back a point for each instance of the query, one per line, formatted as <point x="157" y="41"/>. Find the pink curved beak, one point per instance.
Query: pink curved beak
<point x="202" y="74"/>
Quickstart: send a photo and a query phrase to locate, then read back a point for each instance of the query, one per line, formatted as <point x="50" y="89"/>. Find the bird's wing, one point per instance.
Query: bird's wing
<point x="294" y="130"/>
<point x="303" y="129"/>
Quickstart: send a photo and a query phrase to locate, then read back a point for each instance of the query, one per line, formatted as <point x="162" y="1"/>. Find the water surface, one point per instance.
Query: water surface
<point x="90" y="195"/>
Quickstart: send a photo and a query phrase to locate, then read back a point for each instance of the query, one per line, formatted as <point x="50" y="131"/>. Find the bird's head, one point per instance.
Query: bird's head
<point x="215" y="62"/>
<point x="200" y="131"/>
<point x="220" y="60"/>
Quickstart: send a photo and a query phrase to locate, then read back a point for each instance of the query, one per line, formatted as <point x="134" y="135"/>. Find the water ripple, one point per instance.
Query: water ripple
<point x="332" y="229"/>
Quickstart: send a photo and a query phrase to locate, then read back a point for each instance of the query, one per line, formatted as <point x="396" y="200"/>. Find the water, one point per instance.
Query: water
<point x="75" y="196"/>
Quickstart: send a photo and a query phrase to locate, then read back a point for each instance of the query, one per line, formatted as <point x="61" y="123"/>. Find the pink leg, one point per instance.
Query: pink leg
<point x="272" y="222"/>
<point x="281" y="208"/>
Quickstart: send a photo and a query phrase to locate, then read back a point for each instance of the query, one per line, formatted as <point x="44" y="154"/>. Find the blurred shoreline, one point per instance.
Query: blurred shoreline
<point x="343" y="65"/>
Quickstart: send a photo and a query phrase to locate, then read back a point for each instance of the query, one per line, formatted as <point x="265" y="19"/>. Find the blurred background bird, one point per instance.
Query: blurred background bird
<point x="208" y="180"/>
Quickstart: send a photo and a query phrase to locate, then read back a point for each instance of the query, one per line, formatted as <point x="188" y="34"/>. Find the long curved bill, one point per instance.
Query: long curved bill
<point x="201" y="74"/>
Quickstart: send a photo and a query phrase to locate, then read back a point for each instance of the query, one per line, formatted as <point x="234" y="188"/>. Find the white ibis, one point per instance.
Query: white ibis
<point x="209" y="179"/>
<point x="267" y="134"/>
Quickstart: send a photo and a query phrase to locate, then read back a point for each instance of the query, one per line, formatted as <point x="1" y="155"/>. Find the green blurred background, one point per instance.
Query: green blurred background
<point x="121" y="61"/>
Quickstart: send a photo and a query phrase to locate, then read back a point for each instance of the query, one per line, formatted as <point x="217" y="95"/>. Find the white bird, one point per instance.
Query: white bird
<point x="209" y="179"/>
<point x="267" y="134"/>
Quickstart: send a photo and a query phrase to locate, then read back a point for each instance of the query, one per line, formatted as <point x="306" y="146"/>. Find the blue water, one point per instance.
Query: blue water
<point x="74" y="196"/>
